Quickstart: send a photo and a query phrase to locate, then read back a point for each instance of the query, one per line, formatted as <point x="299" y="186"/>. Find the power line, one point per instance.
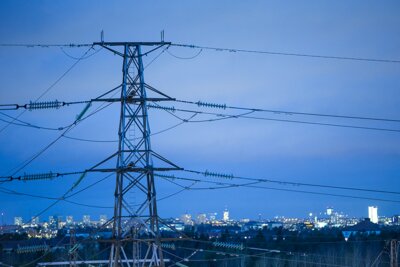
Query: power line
<point x="185" y="58"/>
<point x="218" y="49"/>
<point x="88" y="205"/>
<point x="89" y="140"/>
<point x="284" y="112"/>
<point x="115" y="141"/>
<point x="72" y="45"/>
<point x="52" y="85"/>
<point x="236" y="116"/>
<point x="283" y="182"/>
<point x="224" y="185"/>
<point x="261" y="255"/>
<point x="77" y="58"/>
<point x="187" y="238"/>
<point x="155" y="58"/>
<point x="63" y="197"/>
<point x="44" y="105"/>
<point x="249" y="248"/>
<point x="79" y="119"/>
<point x="41" y="105"/>
<point x="36" y="155"/>
<point x="40" y="176"/>
<point x="27" y="124"/>
<point x="233" y="50"/>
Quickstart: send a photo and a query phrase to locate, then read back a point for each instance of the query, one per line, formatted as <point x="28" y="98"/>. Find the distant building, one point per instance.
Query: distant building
<point x="373" y="214"/>
<point x="396" y="219"/>
<point x="60" y="222"/>
<point x="201" y="218"/>
<point x="103" y="219"/>
<point x="225" y="216"/>
<point x="35" y="220"/>
<point x="86" y="219"/>
<point x="69" y="219"/>
<point x="172" y="225"/>
<point x="18" y="221"/>
<point x="212" y="216"/>
<point x="187" y="219"/>
<point x="53" y="222"/>
<point x="329" y="211"/>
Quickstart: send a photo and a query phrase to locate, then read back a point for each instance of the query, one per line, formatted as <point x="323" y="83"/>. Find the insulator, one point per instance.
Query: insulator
<point x="218" y="175"/>
<point x="211" y="105"/>
<point x="228" y="245"/>
<point x="73" y="249"/>
<point x="32" y="249"/>
<point x="80" y="115"/>
<point x="39" y="176"/>
<point x="79" y="180"/>
<point x="172" y="109"/>
<point x="168" y="245"/>
<point x="44" y="105"/>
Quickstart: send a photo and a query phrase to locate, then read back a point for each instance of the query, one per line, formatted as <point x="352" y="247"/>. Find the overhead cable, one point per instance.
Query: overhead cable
<point x="245" y="116"/>
<point x="72" y="45"/>
<point x="225" y="185"/>
<point x="52" y="85"/>
<point x="285" y="112"/>
<point x="233" y="50"/>
<point x="284" y="182"/>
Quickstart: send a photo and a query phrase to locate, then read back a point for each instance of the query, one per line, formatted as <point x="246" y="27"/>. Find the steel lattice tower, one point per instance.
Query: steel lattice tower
<point x="135" y="168"/>
<point x="73" y="246"/>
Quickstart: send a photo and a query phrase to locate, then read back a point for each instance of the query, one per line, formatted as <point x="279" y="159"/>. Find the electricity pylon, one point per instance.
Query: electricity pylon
<point x="73" y="247"/>
<point x="394" y="250"/>
<point x="135" y="167"/>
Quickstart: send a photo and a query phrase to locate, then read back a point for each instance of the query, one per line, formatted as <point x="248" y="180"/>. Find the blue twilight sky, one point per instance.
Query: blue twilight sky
<point x="276" y="150"/>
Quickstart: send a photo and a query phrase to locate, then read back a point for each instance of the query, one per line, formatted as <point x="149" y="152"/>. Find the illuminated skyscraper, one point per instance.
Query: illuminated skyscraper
<point x="329" y="211"/>
<point x="225" y="217"/>
<point x="373" y="213"/>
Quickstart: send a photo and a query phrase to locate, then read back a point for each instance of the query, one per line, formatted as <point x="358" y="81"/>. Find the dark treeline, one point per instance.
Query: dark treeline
<point x="263" y="248"/>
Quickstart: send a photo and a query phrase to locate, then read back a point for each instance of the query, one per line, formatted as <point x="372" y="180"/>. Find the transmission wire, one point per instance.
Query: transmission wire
<point x="292" y="183"/>
<point x="232" y="116"/>
<point x="285" y="112"/>
<point x="286" y="54"/>
<point x="277" y="189"/>
<point x="51" y="86"/>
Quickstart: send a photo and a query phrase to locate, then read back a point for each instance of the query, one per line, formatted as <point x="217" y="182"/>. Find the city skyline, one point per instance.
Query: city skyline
<point x="371" y="212"/>
<point x="273" y="150"/>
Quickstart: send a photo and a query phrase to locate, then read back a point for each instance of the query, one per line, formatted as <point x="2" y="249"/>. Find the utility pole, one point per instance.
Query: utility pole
<point x="135" y="167"/>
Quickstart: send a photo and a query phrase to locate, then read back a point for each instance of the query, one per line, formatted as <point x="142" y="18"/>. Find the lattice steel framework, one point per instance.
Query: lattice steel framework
<point x="73" y="247"/>
<point x="135" y="168"/>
